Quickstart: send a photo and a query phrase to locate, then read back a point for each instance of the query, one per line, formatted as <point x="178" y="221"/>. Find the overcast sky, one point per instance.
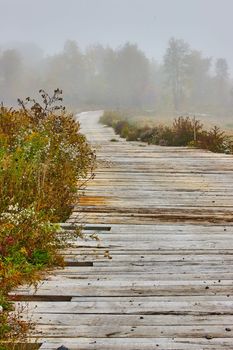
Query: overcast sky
<point x="206" y="24"/>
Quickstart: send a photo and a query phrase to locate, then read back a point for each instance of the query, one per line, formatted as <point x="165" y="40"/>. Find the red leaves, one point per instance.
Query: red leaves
<point x="9" y="240"/>
<point x="5" y="244"/>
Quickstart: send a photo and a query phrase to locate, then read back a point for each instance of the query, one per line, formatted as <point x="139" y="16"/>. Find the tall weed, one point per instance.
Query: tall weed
<point x="44" y="162"/>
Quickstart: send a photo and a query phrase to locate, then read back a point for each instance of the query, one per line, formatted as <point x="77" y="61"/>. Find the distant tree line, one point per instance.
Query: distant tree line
<point x="102" y="77"/>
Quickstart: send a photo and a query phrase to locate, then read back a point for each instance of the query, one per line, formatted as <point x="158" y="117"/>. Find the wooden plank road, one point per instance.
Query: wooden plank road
<point x="160" y="274"/>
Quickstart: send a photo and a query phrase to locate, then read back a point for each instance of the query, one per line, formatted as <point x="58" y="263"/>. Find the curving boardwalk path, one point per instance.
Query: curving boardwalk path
<point x="161" y="274"/>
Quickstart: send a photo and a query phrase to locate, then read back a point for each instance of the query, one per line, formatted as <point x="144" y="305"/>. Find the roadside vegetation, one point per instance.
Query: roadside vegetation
<point x="44" y="163"/>
<point x="184" y="131"/>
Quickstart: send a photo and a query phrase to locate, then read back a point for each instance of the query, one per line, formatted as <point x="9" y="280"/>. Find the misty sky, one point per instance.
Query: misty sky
<point x="206" y="24"/>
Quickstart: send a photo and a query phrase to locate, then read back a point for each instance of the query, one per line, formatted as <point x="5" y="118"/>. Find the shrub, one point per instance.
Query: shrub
<point x="146" y="134"/>
<point x="185" y="131"/>
<point x="121" y="128"/>
<point x="133" y="134"/>
<point x="165" y="136"/>
<point x="110" y="118"/>
<point x="114" y="140"/>
<point x="44" y="161"/>
<point x="214" y="140"/>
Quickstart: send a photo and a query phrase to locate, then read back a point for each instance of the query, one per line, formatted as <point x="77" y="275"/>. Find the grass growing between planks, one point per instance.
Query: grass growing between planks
<point x="43" y="161"/>
<point x="184" y="131"/>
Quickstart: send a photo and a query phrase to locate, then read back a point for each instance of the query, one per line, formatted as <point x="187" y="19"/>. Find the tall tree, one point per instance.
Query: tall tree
<point x="132" y="78"/>
<point x="67" y="70"/>
<point x="197" y="80"/>
<point x="175" y="65"/>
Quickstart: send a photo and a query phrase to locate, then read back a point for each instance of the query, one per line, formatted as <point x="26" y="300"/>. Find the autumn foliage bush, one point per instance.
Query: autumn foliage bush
<point x="185" y="131"/>
<point x="44" y="162"/>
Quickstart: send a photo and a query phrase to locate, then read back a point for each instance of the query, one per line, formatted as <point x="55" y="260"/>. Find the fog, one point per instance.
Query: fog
<point x="168" y="56"/>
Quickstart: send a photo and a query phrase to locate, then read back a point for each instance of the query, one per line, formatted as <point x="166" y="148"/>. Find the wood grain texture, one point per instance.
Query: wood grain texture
<point x="161" y="274"/>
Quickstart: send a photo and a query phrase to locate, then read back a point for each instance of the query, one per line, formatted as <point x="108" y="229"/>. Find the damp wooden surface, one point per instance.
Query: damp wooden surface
<point x="159" y="273"/>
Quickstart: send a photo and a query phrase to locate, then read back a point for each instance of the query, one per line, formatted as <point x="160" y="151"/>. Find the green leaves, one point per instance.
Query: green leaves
<point x="43" y="160"/>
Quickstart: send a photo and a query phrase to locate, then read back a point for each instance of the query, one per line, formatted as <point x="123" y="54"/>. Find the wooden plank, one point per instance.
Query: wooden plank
<point x="134" y="307"/>
<point x="131" y="320"/>
<point x="137" y="343"/>
<point x="162" y="274"/>
<point x="118" y="331"/>
<point x="140" y="237"/>
<point x="142" y="268"/>
<point x="122" y="259"/>
<point x="160" y="245"/>
<point x="204" y="277"/>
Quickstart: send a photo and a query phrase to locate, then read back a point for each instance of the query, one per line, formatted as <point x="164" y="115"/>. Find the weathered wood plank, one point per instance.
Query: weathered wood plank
<point x="119" y="331"/>
<point x="134" y="307"/>
<point x="137" y="343"/>
<point x="161" y="275"/>
<point x="131" y="320"/>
